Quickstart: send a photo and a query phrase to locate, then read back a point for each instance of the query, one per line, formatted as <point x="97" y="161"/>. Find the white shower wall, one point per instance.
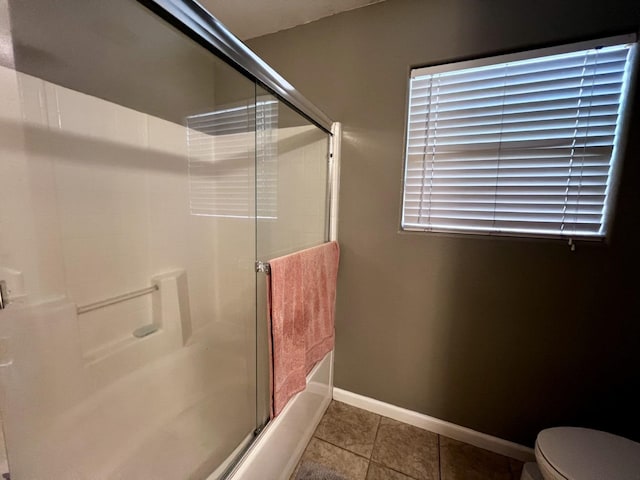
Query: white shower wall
<point x="109" y="191"/>
<point x="94" y="202"/>
<point x="302" y="194"/>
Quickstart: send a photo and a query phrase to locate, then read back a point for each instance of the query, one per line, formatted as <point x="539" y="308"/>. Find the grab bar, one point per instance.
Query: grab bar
<point x="113" y="300"/>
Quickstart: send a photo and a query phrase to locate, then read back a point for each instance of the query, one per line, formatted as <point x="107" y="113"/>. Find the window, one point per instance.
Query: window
<point x="523" y="144"/>
<point x="233" y="161"/>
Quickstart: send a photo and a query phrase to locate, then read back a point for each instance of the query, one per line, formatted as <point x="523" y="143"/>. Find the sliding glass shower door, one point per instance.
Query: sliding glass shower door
<point x="292" y="173"/>
<point x="127" y="245"/>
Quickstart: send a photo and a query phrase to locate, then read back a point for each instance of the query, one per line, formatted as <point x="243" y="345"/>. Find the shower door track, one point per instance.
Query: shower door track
<point x="196" y="22"/>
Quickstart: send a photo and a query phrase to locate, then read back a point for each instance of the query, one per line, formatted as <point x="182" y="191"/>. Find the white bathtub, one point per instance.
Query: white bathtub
<point x="166" y="406"/>
<point x="276" y="452"/>
<point x="152" y="408"/>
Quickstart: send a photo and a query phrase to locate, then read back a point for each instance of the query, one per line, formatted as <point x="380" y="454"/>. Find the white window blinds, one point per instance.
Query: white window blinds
<point x="525" y="146"/>
<point x="233" y="161"/>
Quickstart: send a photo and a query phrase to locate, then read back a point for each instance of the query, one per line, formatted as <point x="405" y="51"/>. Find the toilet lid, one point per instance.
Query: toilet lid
<point x="583" y="454"/>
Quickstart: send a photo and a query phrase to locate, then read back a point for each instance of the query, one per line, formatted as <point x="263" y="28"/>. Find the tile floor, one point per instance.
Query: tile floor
<point x="360" y="445"/>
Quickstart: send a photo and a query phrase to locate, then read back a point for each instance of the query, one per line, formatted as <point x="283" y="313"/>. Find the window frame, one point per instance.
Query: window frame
<point x="628" y="91"/>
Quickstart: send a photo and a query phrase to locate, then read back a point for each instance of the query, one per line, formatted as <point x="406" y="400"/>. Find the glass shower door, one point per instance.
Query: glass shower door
<point x="292" y="168"/>
<point x="127" y="244"/>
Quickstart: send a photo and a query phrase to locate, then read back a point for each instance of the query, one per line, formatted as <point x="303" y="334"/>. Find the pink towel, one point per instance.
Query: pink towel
<point x="302" y="294"/>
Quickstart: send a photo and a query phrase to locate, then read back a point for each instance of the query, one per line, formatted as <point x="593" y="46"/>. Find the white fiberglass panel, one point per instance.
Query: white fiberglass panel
<point x="94" y="205"/>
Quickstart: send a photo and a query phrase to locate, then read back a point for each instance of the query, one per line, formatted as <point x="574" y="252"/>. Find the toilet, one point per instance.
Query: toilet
<point x="571" y="453"/>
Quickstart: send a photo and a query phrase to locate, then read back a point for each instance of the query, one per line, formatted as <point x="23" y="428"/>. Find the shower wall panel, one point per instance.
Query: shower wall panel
<point x="299" y="211"/>
<point x="95" y="203"/>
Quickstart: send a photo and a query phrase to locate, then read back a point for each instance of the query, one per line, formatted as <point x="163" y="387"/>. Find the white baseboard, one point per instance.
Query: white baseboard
<point x="441" y="427"/>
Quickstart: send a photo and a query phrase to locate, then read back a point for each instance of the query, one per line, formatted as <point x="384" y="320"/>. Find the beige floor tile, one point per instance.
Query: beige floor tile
<point x="460" y="461"/>
<point x="378" y="472"/>
<point x="407" y="449"/>
<point x="349" y="427"/>
<point x="347" y="464"/>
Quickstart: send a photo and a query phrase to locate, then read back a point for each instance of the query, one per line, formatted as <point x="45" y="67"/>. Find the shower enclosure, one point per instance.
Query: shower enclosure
<point x="146" y="164"/>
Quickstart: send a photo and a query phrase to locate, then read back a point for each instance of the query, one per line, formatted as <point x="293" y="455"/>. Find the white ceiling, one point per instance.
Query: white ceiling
<point x="253" y="18"/>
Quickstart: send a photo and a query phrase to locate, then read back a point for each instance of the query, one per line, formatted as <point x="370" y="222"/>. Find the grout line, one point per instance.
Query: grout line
<point x="368" y="459"/>
<point x="340" y="447"/>
<point x="366" y="474"/>
<point x="344" y="450"/>
<point x="375" y="438"/>
<point x="373" y="446"/>
<point x="439" y="458"/>
<point x="386" y="467"/>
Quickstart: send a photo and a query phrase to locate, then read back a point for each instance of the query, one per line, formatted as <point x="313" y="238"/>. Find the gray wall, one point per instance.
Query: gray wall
<point x="505" y="336"/>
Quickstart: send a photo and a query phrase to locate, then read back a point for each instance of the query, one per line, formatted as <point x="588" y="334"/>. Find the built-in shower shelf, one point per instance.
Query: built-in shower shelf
<point x="145" y="330"/>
